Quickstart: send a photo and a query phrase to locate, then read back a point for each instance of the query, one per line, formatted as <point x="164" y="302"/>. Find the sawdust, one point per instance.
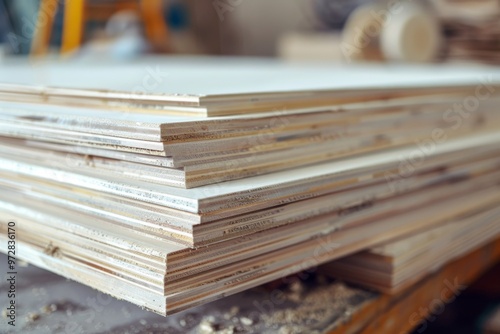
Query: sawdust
<point x="315" y="307"/>
<point x="210" y="325"/>
<point x="51" y="250"/>
<point x="207" y="325"/>
<point x="49" y="308"/>
<point x="190" y="320"/>
<point x="32" y="317"/>
<point x="246" y="321"/>
<point x="295" y="291"/>
<point x="305" y="306"/>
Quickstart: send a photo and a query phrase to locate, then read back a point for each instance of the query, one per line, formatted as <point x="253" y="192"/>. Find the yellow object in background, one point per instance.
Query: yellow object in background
<point x="77" y="12"/>
<point x="73" y="25"/>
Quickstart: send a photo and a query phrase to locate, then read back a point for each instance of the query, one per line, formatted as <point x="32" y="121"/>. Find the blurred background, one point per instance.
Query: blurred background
<point x="326" y="30"/>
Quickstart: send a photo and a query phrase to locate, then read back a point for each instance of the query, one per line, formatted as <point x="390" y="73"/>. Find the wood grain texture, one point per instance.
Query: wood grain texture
<point x="132" y="195"/>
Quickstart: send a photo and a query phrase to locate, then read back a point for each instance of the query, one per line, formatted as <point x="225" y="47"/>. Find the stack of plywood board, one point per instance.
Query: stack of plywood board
<point x="245" y="172"/>
<point x="471" y="28"/>
<point x="395" y="266"/>
<point x="474" y="41"/>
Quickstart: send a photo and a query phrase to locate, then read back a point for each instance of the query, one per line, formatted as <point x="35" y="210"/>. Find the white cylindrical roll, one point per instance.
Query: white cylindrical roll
<point x="361" y="34"/>
<point x="413" y="35"/>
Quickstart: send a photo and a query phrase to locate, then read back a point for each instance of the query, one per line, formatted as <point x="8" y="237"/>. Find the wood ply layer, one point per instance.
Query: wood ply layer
<point x="348" y="126"/>
<point x="97" y="176"/>
<point x="250" y="272"/>
<point x="352" y="131"/>
<point x="225" y="170"/>
<point x="210" y="88"/>
<point x="251" y="194"/>
<point x="192" y="229"/>
<point x="172" y="129"/>
<point x="181" y="261"/>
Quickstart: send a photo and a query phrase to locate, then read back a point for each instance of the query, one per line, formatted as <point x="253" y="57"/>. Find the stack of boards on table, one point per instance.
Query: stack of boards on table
<point x="395" y="266"/>
<point x="247" y="171"/>
<point x="471" y="28"/>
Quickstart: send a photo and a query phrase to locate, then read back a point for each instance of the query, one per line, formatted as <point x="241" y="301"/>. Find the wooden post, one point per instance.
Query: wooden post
<point x="73" y="25"/>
